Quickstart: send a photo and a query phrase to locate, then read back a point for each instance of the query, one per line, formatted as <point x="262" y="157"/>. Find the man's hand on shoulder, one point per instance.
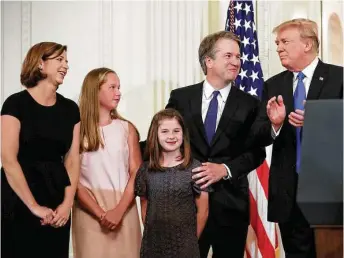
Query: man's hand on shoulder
<point x="209" y="173"/>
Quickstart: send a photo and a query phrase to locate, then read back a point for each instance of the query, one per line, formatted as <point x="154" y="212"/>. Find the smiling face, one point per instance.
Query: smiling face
<point x="109" y="92"/>
<point x="55" y="68"/>
<point x="225" y="65"/>
<point x="170" y="135"/>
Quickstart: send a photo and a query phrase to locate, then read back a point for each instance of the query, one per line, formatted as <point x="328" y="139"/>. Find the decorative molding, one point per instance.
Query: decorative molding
<point x="26" y="24"/>
<point x="106" y="33"/>
<point x="263" y="32"/>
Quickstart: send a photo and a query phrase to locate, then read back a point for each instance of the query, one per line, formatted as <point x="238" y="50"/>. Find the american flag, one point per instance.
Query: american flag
<point x="262" y="240"/>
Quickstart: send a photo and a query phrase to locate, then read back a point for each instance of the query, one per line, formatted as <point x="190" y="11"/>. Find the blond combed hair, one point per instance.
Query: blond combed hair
<point x="308" y="30"/>
<point x="90" y="138"/>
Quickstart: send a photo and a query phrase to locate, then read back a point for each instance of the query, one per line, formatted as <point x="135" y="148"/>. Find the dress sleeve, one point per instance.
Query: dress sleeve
<point x="195" y="187"/>
<point x="141" y="181"/>
<point x="11" y="107"/>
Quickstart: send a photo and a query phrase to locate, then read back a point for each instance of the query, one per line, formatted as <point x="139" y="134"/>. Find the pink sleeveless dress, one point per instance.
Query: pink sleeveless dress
<point x="105" y="174"/>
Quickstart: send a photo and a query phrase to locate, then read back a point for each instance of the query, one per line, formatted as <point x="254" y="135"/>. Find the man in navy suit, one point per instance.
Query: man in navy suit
<point x="227" y="136"/>
<point x="306" y="77"/>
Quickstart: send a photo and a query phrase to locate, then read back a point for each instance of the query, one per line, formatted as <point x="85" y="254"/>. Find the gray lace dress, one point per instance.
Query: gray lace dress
<point x="170" y="229"/>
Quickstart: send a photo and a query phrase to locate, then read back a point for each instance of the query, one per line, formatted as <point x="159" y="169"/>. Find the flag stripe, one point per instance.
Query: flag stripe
<point x="264" y="243"/>
<point x="261" y="203"/>
<point x="263" y="176"/>
<point x="262" y="238"/>
<point x="251" y="245"/>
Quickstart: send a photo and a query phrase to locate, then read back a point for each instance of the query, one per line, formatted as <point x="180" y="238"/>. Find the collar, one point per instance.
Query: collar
<point x="309" y="70"/>
<point x="208" y="90"/>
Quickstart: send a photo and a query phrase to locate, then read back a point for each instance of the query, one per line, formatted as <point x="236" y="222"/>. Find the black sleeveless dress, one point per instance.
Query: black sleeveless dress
<point x="46" y="134"/>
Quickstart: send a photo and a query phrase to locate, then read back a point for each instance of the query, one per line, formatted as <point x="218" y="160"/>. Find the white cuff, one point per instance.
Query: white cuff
<point x="228" y="172"/>
<point x="274" y="134"/>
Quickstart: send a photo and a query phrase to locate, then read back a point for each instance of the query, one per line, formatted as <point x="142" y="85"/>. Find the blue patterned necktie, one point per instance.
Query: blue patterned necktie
<point x="299" y="97"/>
<point x="210" y="119"/>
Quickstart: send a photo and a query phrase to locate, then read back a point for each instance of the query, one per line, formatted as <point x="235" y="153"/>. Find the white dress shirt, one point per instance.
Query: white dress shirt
<point x="207" y="97"/>
<point x="308" y="72"/>
<point x="221" y="99"/>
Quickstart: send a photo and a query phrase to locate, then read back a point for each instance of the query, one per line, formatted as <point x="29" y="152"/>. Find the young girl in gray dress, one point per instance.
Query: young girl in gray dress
<point x="174" y="209"/>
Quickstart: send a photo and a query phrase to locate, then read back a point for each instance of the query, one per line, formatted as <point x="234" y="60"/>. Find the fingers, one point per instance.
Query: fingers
<point x="297" y="116"/>
<point x="49" y="215"/>
<point x="203" y="180"/>
<point x="108" y="224"/>
<point x="104" y="222"/>
<point x="280" y="100"/>
<point x="60" y="222"/>
<point x="293" y="123"/>
<point x="273" y="102"/>
<point x="59" y="219"/>
<point x="211" y="181"/>
<point x="301" y="113"/>
<point x="208" y="171"/>
<point x="296" y="119"/>
<point x="200" y="168"/>
<point x="200" y="174"/>
<point x="56" y="218"/>
<point x="270" y="103"/>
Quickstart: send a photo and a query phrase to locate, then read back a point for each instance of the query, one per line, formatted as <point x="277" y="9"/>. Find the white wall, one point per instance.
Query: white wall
<point x="273" y="13"/>
<point x="330" y="7"/>
<point x="151" y="45"/>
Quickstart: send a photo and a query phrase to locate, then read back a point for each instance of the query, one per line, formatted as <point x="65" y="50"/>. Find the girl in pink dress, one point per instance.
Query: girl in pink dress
<point x="105" y="219"/>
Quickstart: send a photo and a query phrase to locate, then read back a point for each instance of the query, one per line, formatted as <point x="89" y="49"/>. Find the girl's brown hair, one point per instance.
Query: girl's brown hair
<point x="30" y="73"/>
<point x="154" y="150"/>
<point x="90" y="139"/>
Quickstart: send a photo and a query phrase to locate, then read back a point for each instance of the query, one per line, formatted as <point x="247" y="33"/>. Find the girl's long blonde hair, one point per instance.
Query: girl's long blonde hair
<point x="90" y="138"/>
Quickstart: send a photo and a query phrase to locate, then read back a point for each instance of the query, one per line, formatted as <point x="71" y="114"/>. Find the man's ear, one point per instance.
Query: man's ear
<point x="308" y="45"/>
<point x="209" y="62"/>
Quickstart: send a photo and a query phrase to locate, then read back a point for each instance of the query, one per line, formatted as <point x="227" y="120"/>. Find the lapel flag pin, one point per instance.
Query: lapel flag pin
<point x="321" y="78"/>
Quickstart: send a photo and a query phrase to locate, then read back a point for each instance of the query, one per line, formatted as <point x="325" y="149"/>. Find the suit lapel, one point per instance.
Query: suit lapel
<point x="288" y="96"/>
<point x="228" y="111"/>
<point x="318" y="79"/>
<point x="196" y="109"/>
<point x="287" y="91"/>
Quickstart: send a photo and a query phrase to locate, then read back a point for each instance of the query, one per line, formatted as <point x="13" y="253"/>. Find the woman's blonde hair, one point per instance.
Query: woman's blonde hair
<point x="90" y="138"/>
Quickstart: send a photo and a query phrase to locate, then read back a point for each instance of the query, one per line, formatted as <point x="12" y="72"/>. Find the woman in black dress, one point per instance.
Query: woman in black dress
<point x="40" y="159"/>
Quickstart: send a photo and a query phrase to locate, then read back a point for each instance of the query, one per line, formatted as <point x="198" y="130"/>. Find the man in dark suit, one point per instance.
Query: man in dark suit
<point x="306" y="77"/>
<point x="219" y="118"/>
